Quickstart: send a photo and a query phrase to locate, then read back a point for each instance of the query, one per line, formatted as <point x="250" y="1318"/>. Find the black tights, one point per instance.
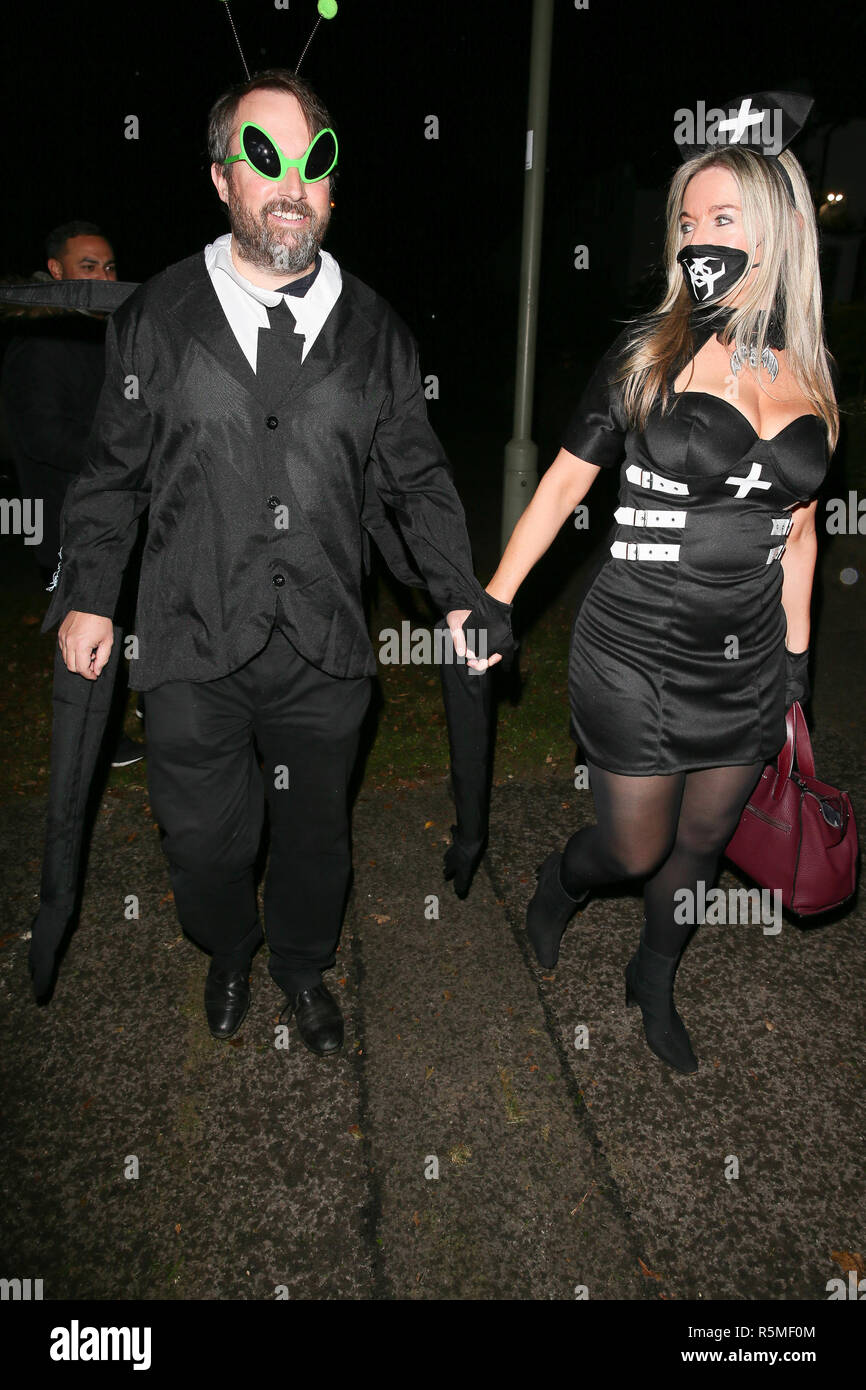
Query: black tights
<point x="669" y="830"/>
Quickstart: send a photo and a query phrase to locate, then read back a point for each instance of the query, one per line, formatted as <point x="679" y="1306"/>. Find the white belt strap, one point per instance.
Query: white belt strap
<point x="781" y="525"/>
<point x="633" y="516"/>
<point x="775" y="554"/>
<point x="625" y="550"/>
<point x="644" y="478"/>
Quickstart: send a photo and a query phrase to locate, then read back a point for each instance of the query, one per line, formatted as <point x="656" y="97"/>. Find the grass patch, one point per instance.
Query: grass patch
<point x="411" y="741"/>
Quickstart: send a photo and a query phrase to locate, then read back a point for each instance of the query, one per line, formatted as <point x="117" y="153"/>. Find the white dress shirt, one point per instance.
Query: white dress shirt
<point x="246" y="305"/>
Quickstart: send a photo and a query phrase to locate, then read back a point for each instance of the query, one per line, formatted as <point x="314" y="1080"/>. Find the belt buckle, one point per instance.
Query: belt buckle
<point x="631" y="550"/>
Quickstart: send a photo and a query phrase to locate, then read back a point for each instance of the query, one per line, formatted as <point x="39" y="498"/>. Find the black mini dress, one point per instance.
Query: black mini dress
<point x="677" y="656"/>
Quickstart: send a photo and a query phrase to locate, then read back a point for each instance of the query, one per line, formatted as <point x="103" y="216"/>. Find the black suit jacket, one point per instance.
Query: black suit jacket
<point x="256" y="504"/>
<point x="52" y="376"/>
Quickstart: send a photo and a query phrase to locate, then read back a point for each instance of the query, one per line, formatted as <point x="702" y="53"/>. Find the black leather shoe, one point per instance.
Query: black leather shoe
<point x="320" y="1022"/>
<point x="226" y="1000"/>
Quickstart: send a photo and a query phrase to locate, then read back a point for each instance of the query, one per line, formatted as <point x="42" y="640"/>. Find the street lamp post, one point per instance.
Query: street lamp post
<point x="521" y="453"/>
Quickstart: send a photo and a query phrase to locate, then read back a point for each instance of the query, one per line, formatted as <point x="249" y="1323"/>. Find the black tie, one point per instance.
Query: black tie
<point x="278" y="352"/>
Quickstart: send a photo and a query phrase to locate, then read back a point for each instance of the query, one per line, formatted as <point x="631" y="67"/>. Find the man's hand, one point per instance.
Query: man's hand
<point x="455" y="619"/>
<point x="85" y="641"/>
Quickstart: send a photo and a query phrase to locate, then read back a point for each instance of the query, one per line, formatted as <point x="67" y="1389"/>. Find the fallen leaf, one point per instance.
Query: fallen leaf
<point x="649" y="1273"/>
<point x="356" y="1131"/>
<point x="178" y="1228"/>
<point x="848" y="1261"/>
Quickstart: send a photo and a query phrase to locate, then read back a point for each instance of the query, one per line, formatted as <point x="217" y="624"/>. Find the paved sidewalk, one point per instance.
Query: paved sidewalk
<point x="261" y="1167"/>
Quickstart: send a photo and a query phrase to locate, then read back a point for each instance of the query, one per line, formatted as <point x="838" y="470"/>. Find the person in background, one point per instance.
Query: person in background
<point x="53" y="373"/>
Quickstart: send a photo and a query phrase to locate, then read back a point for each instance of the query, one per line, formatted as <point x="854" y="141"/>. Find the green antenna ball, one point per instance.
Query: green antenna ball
<point x="327" y="8"/>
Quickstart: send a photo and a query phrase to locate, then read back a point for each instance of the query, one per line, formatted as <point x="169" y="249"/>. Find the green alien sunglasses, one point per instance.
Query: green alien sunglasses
<point x="262" y="153"/>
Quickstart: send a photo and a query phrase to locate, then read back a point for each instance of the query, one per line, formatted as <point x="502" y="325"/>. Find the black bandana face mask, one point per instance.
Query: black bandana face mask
<point x="711" y="272"/>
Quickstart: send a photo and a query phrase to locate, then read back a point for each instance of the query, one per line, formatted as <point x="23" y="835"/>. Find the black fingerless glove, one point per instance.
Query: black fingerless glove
<point x="797" y="685"/>
<point x="488" y="631"/>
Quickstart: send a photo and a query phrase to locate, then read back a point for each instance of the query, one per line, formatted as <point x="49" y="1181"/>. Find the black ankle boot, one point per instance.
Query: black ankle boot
<point x="649" y="981"/>
<point x="549" y="912"/>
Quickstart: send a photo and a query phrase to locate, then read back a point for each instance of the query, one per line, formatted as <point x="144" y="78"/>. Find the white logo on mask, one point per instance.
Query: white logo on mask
<point x="701" y="275"/>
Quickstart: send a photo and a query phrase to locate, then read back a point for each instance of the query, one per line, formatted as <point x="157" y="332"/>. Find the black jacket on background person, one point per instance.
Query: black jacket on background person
<point x="53" y="371"/>
<point x="255" y="503"/>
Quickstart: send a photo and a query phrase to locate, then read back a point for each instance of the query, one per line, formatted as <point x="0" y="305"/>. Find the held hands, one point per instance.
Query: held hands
<point x="455" y="619"/>
<point x="489" y="621"/>
<point x="85" y="641"/>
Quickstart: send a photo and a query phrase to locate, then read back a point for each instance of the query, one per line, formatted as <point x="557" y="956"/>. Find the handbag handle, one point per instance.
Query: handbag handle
<point x="797" y="752"/>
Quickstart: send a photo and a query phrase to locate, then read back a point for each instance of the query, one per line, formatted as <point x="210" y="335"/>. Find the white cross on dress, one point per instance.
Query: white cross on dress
<point x="744" y="485"/>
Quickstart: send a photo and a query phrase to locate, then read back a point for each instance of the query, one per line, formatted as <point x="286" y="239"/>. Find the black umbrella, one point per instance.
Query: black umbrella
<point x="468" y="700"/>
<point x="99" y="296"/>
<point x="81" y="710"/>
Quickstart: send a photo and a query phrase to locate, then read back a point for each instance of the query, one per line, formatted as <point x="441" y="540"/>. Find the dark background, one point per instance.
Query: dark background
<point x="433" y="225"/>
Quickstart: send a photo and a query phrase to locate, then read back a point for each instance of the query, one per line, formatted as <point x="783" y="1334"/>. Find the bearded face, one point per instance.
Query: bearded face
<point x="282" y="234"/>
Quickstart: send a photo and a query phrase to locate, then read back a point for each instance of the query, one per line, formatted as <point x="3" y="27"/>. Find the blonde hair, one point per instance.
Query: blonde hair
<point x="787" y="277"/>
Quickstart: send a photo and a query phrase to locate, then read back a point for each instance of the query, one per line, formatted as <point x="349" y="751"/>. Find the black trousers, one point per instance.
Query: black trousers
<point x="208" y="795"/>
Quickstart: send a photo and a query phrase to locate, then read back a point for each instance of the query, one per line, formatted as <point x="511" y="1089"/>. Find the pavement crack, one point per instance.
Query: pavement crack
<point x="583" y="1117"/>
<point x="371" y="1210"/>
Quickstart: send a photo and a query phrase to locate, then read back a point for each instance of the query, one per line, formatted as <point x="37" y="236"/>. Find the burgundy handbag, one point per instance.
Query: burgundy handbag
<point x="796" y="833"/>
